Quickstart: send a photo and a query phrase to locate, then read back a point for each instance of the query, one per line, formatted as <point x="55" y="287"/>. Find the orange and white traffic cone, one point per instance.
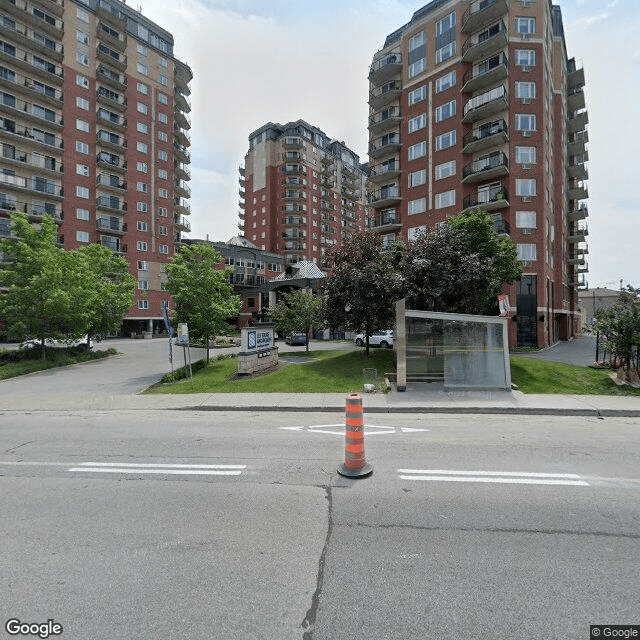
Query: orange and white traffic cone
<point x="355" y="464"/>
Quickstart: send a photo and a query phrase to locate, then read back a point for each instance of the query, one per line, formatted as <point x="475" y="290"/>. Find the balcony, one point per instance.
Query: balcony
<point x="293" y="169"/>
<point x="295" y="195"/>
<point x="294" y="221"/>
<point x="112" y="119"/>
<point x="487" y="73"/>
<point x="386" y="119"/>
<point x="387" y="221"/>
<point x="35" y="113"/>
<point x="111" y="161"/>
<point x="107" y="139"/>
<point x="482" y="13"/>
<point x="110" y="203"/>
<point x="575" y="101"/>
<point x="182" y="206"/>
<point x="111" y="225"/>
<point x="32" y="160"/>
<point x="54" y="6"/>
<point x="578" y="192"/>
<point x="111" y="99"/>
<point x="180" y="223"/>
<point x="487" y="199"/>
<point x="577" y="142"/>
<point x="181" y="136"/>
<point x="112" y="78"/>
<point x="575" y="76"/>
<point x="580" y="213"/>
<point x="113" y="243"/>
<point x="115" y="39"/>
<point x="385" y="94"/>
<point x="578" y="234"/>
<point x="182" y="76"/>
<point x="486" y="105"/>
<point x="486" y="136"/>
<point x="385" y="68"/>
<point x="19" y="33"/>
<point x="42" y="20"/>
<point x="182" y="189"/>
<point x="108" y="181"/>
<point x="111" y="56"/>
<point x="384" y="146"/>
<point x="182" y="153"/>
<point x="32" y="210"/>
<point x="578" y="122"/>
<point x="293" y="142"/>
<point x="577" y="171"/>
<point x="385" y="197"/>
<point x="483" y="44"/>
<point x="494" y="166"/>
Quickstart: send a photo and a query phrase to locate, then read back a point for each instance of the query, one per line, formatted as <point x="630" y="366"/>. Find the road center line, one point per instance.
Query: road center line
<point x="485" y="479"/>
<point x="514" y="474"/>
<point x="163" y="466"/>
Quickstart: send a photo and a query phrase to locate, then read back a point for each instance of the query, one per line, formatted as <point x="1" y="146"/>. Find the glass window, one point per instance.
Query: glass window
<point x="163" y="193"/>
<point x="445" y="111"/>
<point x="141" y="147"/>
<point x="417" y="95"/>
<point x="414" y="232"/>
<point x="142" y="226"/>
<point x="525" y="57"/>
<point x="445" y="170"/>
<point x="142" y="50"/>
<point x="526" y="155"/>
<point x="417" y="67"/>
<point x="82" y="147"/>
<point x="416" y="178"/>
<point x="82" y="81"/>
<point x="141" y="127"/>
<point x="163" y="98"/>
<point x="141" y="245"/>
<point x="162" y="155"/>
<point x="526" y="220"/>
<point x="82" y="103"/>
<point x="445" y="199"/>
<point x="446" y="52"/>
<point x="142" y="68"/>
<point x="82" y="125"/>
<point x="82" y="214"/>
<point x="82" y="58"/>
<point x="142" y="166"/>
<point x="526" y="90"/>
<point x="525" y="26"/>
<point x="445" y="81"/>
<point x="419" y="122"/>
<point x="82" y="236"/>
<point x="82" y="15"/>
<point x="525" y="122"/>
<point x="527" y="252"/>
<point x="142" y="88"/>
<point x="142" y="207"/>
<point x="417" y="206"/>
<point x="525" y="187"/>
<point x="446" y="140"/>
<point x="82" y="169"/>
<point x="417" y="150"/>
<point x="142" y="108"/>
<point x="82" y="192"/>
<point x="163" y="118"/>
<point x="142" y="186"/>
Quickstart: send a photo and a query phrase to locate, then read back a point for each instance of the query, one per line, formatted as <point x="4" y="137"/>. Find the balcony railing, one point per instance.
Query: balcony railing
<point x="385" y="67"/>
<point x="482" y="44"/>
<point x="495" y="165"/>
<point x="486" y="104"/>
<point x="481" y="13"/>
<point x="488" y="199"/>
<point x="485" y="136"/>
<point x="111" y="224"/>
<point x="488" y="72"/>
<point x="385" y="93"/>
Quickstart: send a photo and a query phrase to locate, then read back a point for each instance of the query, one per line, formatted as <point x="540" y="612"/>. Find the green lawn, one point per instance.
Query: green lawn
<point x="327" y="372"/>
<point x="541" y="376"/>
<point x="29" y="360"/>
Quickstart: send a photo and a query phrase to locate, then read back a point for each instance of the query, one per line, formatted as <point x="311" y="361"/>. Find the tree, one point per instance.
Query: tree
<point x="363" y="286"/>
<point x="52" y="294"/>
<point x="299" y="311"/>
<point x="203" y="296"/>
<point x="460" y="268"/>
<point x="620" y="327"/>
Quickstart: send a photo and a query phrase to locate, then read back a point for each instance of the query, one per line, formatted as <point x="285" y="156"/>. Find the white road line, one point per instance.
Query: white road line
<point x="162" y="471"/>
<point x="164" y="466"/>
<point x="495" y="477"/>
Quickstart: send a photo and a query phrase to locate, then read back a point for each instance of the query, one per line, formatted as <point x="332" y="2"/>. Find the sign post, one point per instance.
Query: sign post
<point x="167" y="324"/>
<point x="183" y="339"/>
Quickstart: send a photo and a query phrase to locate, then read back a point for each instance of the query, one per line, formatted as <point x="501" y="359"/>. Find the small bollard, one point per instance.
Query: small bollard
<point x="355" y="464"/>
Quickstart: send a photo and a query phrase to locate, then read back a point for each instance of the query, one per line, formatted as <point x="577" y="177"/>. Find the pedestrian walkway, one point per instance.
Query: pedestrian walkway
<point x="116" y="384"/>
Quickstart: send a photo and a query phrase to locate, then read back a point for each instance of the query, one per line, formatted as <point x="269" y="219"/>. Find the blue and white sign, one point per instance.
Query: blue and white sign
<point x="254" y="338"/>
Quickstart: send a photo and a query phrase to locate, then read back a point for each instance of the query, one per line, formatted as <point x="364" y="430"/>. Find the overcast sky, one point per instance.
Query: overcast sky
<point x="281" y="60"/>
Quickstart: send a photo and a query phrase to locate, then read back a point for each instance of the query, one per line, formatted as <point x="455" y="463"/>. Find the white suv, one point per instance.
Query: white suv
<point x="382" y="339"/>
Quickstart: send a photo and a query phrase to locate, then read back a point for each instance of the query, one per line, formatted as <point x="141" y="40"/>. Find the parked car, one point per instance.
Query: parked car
<point x="296" y="338"/>
<point x="382" y="339"/>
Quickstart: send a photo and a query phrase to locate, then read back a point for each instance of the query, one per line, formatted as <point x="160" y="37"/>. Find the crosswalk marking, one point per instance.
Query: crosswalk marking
<point x="496" y="477"/>
<point x="164" y="469"/>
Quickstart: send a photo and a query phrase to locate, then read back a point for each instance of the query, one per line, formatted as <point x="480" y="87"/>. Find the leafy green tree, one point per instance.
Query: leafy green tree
<point x="620" y="327"/>
<point x="203" y="296"/>
<point x="460" y="268"/>
<point x="363" y="286"/>
<point x="299" y="311"/>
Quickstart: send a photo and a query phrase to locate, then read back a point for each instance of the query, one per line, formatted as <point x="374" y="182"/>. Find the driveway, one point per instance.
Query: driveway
<point x="579" y="351"/>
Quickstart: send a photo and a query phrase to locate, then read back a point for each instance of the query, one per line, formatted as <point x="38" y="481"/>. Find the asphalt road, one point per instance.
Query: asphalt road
<point x="206" y="525"/>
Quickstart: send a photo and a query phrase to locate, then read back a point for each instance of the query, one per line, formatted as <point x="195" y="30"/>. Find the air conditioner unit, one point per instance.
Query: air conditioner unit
<point x="525" y="36"/>
<point x="526" y="167"/>
<point x="525" y="231"/>
<point x="526" y="198"/>
<point x="527" y="134"/>
<point x="526" y="68"/>
<point x="526" y="100"/>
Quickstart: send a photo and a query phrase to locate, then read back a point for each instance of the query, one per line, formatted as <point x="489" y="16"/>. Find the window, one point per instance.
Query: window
<point x="414" y="232"/>
<point x="82" y="192"/>
<point x="142" y="186"/>
<point x="446" y="52"/>
<point x="142" y="226"/>
<point x="82" y="15"/>
<point x="445" y="81"/>
<point x="142" y="108"/>
<point x="163" y="248"/>
<point x="445" y="170"/>
<point x="82" y="81"/>
<point x="417" y="54"/>
<point x="527" y="252"/>
<point x="82" y="214"/>
<point x="163" y="62"/>
<point x="526" y="90"/>
<point x="163" y="174"/>
<point x="164" y="137"/>
<point x="417" y="150"/>
<point x="142" y="246"/>
<point x="142" y="207"/>
<point x="163" y="117"/>
<point x="525" y="57"/>
<point x="142" y="88"/>
<point x="143" y="284"/>
<point x="526" y="155"/>
<point x="82" y="236"/>
<point x="142" y="68"/>
<point x="163" y="212"/>
<point x="526" y="220"/>
<point x="446" y="140"/>
<point x="141" y="127"/>
<point x="163" y="193"/>
<point x="417" y="178"/>
<point x="525" y="122"/>
<point x="417" y="206"/>
<point x="162" y="155"/>
<point x="82" y="58"/>
<point x="82" y="147"/>
<point x="164" y="81"/>
<point x="525" y="187"/>
<point x="142" y="167"/>
<point x="419" y="122"/>
<point x="163" y="230"/>
<point x="82" y="103"/>
<point x="163" y="98"/>
<point x="82" y="125"/>
<point x="446" y="38"/>
<point x="143" y="265"/>
<point x="82" y="169"/>
<point x="445" y="111"/>
<point x="142" y="50"/>
<point x="445" y="199"/>
<point x="143" y="304"/>
<point x="82" y="37"/>
<point x="142" y="147"/>
<point x="417" y="95"/>
<point x="525" y="26"/>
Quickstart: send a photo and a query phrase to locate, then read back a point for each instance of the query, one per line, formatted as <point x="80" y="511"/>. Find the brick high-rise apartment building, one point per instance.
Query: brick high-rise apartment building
<point x="94" y="126"/>
<point x="477" y="105"/>
<point x="301" y="192"/>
